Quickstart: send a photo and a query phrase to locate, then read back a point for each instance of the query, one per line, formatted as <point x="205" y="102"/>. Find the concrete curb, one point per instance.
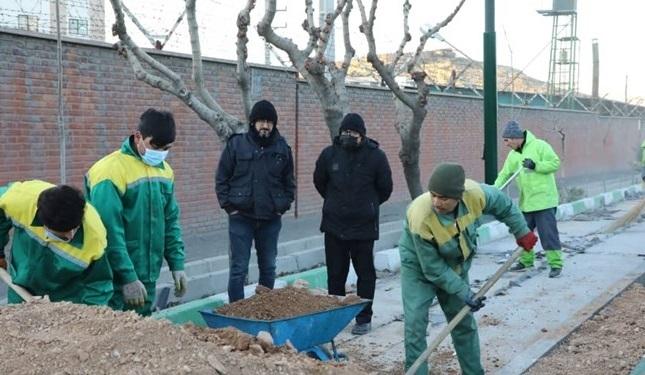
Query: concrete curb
<point x="387" y="260"/>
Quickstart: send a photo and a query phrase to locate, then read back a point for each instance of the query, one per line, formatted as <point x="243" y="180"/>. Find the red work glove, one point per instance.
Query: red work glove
<point x="3" y="263"/>
<point x="527" y="241"/>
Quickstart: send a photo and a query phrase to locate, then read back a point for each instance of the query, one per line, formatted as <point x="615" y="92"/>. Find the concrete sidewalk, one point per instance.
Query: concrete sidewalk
<point x="301" y="245"/>
<point x="526" y="313"/>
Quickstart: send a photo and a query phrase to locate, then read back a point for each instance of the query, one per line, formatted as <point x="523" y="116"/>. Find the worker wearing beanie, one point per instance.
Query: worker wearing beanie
<point x="353" y="176"/>
<point x="255" y="185"/>
<point x="539" y="196"/>
<point x="437" y="246"/>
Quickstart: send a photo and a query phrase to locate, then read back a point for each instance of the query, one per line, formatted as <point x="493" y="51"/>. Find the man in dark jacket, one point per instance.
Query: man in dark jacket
<point x="255" y="184"/>
<point x="354" y="178"/>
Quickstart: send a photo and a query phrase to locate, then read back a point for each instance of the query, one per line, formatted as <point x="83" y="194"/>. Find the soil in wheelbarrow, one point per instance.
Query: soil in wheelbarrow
<point x="283" y="303"/>
<point x="610" y="342"/>
<point x="63" y="338"/>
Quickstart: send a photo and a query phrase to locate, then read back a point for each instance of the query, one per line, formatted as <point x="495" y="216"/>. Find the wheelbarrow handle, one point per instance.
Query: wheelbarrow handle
<point x="463" y="312"/>
<point x="22" y="292"/>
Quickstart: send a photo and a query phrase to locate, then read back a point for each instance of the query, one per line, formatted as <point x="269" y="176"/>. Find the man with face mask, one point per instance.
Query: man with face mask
<point x="133" y="189"/>
<point x="437" y="246"/>
<point x="255" y="185"/>
<point x="58" y="243"/>
<point x="353" y="176"/>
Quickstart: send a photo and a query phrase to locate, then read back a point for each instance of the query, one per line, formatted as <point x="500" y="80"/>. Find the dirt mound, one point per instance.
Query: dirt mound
<point x="611" y="342"/>
<point x="65" y="338"/>
<point x="283" y="303"/>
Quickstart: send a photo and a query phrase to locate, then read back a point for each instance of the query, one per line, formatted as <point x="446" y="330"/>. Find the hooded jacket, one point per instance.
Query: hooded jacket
<point x="353" y="183"/>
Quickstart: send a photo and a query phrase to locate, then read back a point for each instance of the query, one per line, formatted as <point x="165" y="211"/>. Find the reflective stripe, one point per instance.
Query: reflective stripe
<point x="424" y="221"/>
<point x="50" y="245"/>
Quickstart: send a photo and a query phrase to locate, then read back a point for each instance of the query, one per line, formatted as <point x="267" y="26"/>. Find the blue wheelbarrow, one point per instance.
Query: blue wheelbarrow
<point x="307" y="332"/>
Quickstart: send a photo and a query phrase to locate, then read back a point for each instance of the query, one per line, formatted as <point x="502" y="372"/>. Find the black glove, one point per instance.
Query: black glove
<point x="474" y="303"/>
<point x="528" y="163"/>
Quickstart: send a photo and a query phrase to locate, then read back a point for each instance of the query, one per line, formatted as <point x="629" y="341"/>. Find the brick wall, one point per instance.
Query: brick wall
<point x="103" y="102"/>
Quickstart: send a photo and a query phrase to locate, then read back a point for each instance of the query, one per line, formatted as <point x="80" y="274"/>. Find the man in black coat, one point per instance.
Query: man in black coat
<point x="255" y="184"/>
<point x="353" y="176"/>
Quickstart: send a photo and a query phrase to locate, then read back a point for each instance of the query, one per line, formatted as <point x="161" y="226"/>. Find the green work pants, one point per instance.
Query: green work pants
<point x="418" y="294"/>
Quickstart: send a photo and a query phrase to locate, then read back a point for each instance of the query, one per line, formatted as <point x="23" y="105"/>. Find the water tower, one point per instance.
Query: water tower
<point x="563" y="62"/>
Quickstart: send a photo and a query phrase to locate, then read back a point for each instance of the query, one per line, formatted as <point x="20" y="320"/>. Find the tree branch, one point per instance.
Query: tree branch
<point x="430" y="32"/>
<point x="327" y="29"/>
<point x="310" y="27"/>
<point x="174" y="27"/>
<point x="139" y="25"/>
<point x="367" y="28"/>
<point x="406" y="36"/>
<point x="242" y="70"/>
<point x="223" y="123"/>
<point x="266" y="30"/>
<point x="349" y="50"/>
<point x="198" y="75"/>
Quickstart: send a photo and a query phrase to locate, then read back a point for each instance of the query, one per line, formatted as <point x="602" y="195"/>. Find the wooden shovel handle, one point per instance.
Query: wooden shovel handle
<point x="464" y="311"/>
<point x="22" y="292"/>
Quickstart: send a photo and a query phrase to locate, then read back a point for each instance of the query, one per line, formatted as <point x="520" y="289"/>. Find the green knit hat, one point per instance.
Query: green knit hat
<point x="448" y="180"/>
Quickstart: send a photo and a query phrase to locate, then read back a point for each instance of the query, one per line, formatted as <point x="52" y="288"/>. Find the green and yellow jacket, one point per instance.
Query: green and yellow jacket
<point x="77" y="271"/>
<point x="138" y="207"/>
<point x="442" y="246"/>
<point x="538" y="190"/>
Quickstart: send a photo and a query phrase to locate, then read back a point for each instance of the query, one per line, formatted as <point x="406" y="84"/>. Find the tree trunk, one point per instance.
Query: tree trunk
<point x="410" y="132"/>
<point x="333" y="117"/>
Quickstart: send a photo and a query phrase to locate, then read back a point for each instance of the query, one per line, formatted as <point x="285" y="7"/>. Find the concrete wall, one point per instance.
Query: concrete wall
<point x="103" y="102"/>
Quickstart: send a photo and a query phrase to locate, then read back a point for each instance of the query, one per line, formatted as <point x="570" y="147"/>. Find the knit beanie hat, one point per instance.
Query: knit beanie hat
<point x="448" y="179"/>
<point x="263" y="110"/>
<point x="513" y="130"/>
<point x="353" y="121"/>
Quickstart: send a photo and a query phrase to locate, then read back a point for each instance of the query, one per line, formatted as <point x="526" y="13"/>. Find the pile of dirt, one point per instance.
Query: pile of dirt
<point x="283" y="303"/>
<point x="611" y="342"/>
<point x="43" y="337"/>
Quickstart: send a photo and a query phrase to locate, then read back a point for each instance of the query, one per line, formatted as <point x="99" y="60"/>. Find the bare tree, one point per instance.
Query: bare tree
<point x="150" y="70"/>
<point x="408" y="127"/>
<point x="325" y="77"/>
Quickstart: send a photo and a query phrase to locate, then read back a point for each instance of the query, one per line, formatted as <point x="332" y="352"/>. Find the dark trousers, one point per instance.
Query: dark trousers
<point x="337" y="255"/>
<point x="547" y="227"/>
<point x="242" y="231"/>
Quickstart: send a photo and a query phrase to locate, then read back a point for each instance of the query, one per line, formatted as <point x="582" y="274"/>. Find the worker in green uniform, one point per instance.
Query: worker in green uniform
<point x="133" y="190"/>
<point x="539" y="196"/>
<point x="437" y="248"/>
<point x="58" y="243"/>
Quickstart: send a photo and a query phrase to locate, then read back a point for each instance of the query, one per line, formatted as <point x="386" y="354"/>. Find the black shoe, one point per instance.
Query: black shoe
<point x="518" y="267"/>
<point x="361" y="328"/>
<point x="555" y="272"/>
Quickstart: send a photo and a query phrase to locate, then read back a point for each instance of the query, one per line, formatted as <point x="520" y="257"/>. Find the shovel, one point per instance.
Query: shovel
<point x="22" y="292"/>
<point x="464" y="311"/>
<point x="510" y="179"/>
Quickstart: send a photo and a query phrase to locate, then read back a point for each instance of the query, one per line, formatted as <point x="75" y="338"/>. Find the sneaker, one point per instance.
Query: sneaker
<point x="361" y="328"/>
<point x="555" y="272"/>
<point x="518" y="267"/>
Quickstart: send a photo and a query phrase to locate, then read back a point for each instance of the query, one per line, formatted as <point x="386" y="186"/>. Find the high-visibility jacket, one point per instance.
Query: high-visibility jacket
<point x="538" y="190"/>
<point x="77" y="271"/>
<point x="138" y="207"/>
<point x="443" y="245"/>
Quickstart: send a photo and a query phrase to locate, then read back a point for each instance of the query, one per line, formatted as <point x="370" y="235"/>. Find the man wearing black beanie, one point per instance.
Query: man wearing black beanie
<point x="255" y="184"/>
<point x="353" y="176"/>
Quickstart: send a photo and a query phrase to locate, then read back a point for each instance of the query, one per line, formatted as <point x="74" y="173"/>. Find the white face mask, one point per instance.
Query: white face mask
<point x="53" y="237"/>
<point x="154" y="157"/>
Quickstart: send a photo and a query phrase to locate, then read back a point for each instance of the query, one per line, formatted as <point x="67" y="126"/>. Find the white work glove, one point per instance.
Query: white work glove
<point x="135" y="293"/>
<point x="181" y="283"/>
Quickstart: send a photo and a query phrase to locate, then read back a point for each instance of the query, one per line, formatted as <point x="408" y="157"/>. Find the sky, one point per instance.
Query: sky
<point x="523" y="35"/>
